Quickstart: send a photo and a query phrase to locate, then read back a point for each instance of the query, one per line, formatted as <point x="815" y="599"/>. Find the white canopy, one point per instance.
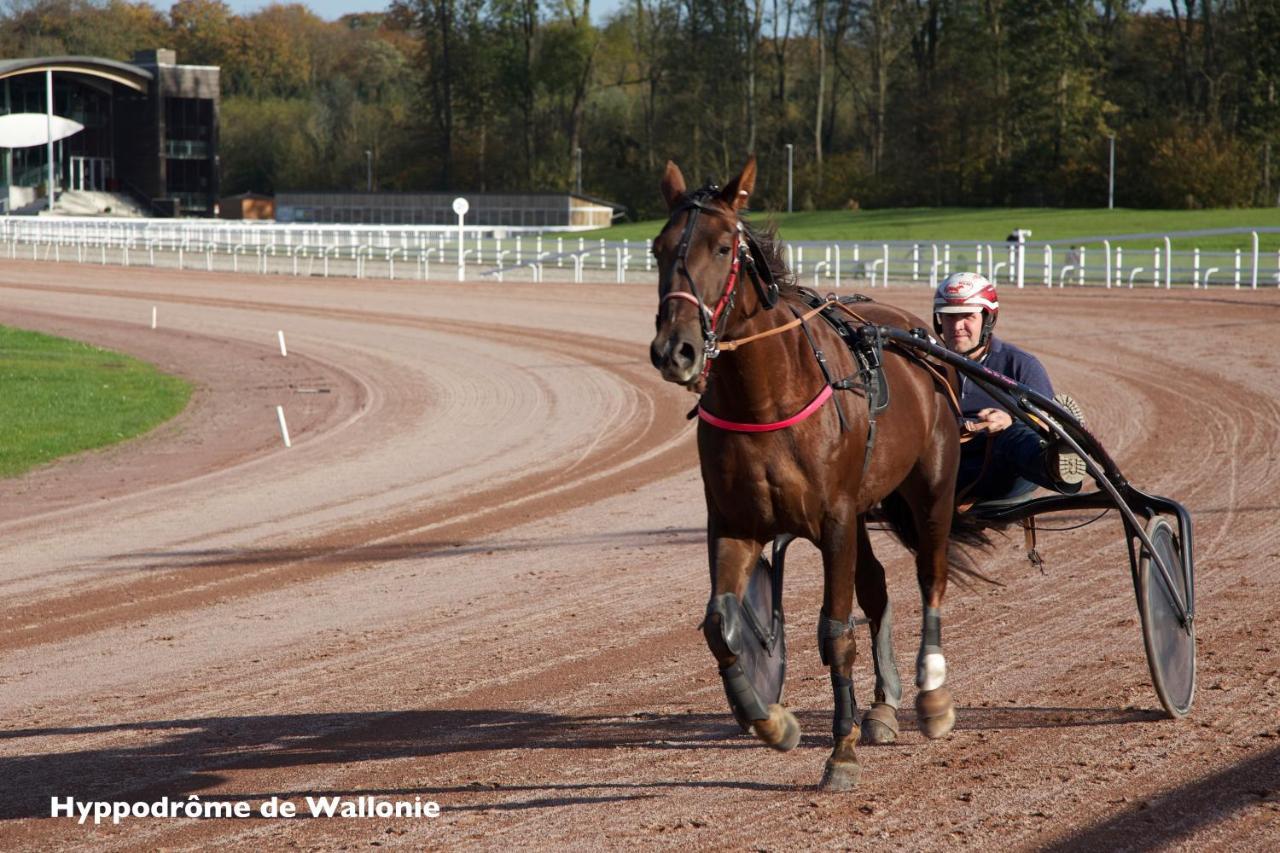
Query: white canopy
<point x="23" y="130"/>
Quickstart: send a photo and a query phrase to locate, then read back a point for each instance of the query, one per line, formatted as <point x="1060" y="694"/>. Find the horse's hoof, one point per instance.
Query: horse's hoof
<point x="880" y="724"/>
<point x="781" y="731"/>
<point x="840" y="776"/>
<point x="935" y="712"/>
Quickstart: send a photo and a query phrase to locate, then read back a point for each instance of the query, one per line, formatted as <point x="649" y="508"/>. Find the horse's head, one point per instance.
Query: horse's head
<point x="699" y="252"/>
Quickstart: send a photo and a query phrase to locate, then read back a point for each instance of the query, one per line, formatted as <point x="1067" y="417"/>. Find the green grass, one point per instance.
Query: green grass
<point x="59" y="397"/>
<point x="994" y="224"/>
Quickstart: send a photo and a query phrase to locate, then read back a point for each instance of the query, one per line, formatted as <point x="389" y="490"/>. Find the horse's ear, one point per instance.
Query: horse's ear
<point x="740" y="188"/>
<point x="672" y="185"/>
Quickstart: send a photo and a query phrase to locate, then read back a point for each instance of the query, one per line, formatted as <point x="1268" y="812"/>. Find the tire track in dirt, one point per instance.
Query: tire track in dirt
<point x="657" y="446"/>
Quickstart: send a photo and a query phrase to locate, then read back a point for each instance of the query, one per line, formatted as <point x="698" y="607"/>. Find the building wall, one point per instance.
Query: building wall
<point x="509" y="210"/>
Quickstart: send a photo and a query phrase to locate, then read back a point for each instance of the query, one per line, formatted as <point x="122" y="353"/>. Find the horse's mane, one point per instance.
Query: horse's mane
<point x="774" y="257"/>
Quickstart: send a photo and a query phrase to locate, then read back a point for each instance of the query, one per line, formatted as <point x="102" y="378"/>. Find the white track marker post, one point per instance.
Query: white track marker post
<point x="284" y="428"/>
<point x="153" y="316"/>
<point x="283" y="352"/>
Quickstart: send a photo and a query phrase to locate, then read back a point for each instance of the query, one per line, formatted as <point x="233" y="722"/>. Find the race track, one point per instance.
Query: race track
<point x="476" y="579"/>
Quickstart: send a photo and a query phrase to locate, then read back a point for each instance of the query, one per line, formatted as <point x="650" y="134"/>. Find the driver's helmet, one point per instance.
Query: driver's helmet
<point x="964" y="293"/>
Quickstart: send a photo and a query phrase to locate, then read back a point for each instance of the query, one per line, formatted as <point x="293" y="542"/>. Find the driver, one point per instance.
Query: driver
<point x="1002" y="458"/>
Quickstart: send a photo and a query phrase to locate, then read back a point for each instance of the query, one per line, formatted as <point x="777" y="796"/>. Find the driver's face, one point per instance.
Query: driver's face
<point x="961" y="332"/>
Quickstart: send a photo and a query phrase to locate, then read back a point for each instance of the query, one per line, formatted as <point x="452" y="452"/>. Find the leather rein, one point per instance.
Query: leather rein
<point x="747" y="253"/>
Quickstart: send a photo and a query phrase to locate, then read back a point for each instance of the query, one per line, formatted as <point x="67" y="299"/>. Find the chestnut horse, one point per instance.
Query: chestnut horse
<point x="778" y="461"/>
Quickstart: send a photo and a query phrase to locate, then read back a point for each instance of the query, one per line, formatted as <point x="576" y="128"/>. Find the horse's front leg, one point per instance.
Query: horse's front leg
<point x="728" y="634"/>
<point x="838" y="648"/>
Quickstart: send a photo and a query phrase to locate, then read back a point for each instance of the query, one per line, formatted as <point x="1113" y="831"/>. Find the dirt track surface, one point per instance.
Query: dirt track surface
<point x="476" y="579"/>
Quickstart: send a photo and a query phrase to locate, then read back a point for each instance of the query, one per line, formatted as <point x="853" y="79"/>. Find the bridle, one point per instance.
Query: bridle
<point x="746" y="254"/>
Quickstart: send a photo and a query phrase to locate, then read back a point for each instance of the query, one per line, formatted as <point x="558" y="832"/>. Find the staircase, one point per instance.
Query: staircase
<point x="93" y="203"/>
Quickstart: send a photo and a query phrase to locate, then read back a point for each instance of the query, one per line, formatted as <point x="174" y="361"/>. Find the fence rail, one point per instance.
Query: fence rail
<point x="392" y="252"/>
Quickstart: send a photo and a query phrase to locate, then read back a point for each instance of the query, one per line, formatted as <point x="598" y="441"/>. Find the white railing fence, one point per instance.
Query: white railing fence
<point x="406" y="252"/>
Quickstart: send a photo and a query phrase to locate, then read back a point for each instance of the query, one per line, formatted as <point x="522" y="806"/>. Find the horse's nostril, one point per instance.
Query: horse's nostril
<point x="686" y="353"/>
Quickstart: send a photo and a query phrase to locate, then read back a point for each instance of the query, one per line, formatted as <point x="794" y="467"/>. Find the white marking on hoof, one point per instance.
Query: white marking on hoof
<point x="933" y="672"/>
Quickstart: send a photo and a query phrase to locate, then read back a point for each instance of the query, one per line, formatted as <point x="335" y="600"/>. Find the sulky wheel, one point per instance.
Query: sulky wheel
<point x="1171" y="645"/>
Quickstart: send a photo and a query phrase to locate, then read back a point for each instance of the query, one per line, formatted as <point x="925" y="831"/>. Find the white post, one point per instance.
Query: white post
<point x="977" y="248"/>
<point x="283" y="352"/>
<point x="915" y="262"/>
<point x="153" y="316"/>
<point x="1119" y="264"/>
<point x="1106" y="251"/>
<point x="1080" y="278"/>
<point x="1155" y="267"/>
<point x="460" y="207"/>
<point x="284" y="428"/>
<point x="886" y="264"/>
<point x="1168" y="264"/>
<point x="933" y="269"/>
<point x="1048" y="265"/>
<point x="1020" y="254"/>
<point x="946" y="259"/>
<point x="1237" y="269"/>
<point x="48" y="119"/>
<point x="1255" y="260"/>
<point x="1195" y="268"/>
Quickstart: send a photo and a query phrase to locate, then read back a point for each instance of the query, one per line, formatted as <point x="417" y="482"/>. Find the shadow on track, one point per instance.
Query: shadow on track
<point x="384" y="552"/>
<point x="189" y="756"/>
<point x="1165" y="820"/>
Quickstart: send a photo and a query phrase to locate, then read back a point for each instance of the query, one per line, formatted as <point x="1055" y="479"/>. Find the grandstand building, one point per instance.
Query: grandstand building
<point x="149" y="132"/>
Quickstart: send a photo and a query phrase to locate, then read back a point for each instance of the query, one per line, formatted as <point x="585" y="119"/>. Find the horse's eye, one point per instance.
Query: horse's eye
<point x="724" y="250"/>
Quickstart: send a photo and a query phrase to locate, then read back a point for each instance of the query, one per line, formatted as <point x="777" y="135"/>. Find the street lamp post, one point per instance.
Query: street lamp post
<point x="1111" y="180"/>
<point x="368" y="169"/>
<point x="790" y="162"/>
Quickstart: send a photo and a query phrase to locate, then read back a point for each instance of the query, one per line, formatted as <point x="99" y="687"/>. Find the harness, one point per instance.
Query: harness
<point x="863" y="338"/>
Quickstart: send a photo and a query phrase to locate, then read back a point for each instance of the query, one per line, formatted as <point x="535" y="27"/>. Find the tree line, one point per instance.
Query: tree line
<point x="882" y="102"/>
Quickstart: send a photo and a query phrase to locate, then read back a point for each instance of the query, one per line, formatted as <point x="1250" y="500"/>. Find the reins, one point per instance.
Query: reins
<point x="745" y="251"/>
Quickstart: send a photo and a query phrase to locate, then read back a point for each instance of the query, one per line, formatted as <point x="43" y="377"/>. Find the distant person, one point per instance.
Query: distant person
<point x="1002" y="458"/>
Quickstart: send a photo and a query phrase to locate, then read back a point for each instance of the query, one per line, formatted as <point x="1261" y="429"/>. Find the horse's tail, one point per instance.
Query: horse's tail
<point x="966" y="533"/>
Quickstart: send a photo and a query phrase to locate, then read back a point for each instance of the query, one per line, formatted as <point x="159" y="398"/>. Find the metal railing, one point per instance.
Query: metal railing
<point x="395" y="252"/>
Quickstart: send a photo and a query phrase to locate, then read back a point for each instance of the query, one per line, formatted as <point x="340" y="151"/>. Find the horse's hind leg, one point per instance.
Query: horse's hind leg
<point x="727" y="631"/>
<point x="838" y="648"/>
<point x="880" y="722"/>
<point x="931" y="506"/>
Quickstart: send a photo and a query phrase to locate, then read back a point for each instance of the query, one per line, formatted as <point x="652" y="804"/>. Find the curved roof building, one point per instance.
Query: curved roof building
<point x="150" y="129"/>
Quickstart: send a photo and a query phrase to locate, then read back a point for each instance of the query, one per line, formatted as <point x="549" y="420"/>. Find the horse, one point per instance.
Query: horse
<point x="788" y="451"/>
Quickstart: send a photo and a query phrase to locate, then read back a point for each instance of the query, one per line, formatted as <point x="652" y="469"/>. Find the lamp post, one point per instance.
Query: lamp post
<point x="1111" y="179"/>
<point x="790" y="163"/>
<point x="577" y="170"/>
<point x="368" y="169"/>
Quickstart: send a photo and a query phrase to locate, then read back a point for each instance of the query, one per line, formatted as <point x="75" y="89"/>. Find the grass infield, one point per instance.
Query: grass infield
<point x="928" y="224"/>
<point x="59" y="397"/>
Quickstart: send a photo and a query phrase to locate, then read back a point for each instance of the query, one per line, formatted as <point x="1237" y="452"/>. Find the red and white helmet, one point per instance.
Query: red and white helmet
<point x="965" y="293"/>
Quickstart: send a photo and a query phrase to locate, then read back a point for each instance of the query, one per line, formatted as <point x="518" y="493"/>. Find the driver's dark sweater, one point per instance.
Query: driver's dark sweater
<point x="1012" y="361"/>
